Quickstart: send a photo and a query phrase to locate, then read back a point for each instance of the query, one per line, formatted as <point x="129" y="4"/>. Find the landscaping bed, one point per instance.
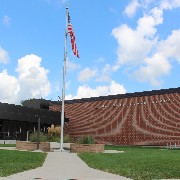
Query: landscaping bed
<point x="79" y="148"/>
<point x="31" y="146"/>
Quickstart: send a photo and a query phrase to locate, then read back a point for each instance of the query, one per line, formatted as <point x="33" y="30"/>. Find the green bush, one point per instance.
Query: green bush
<point x="86" y="140"/>
<point x="51" y="138"/>
<point x="33" y="137"/>
<point x="67" y="139"/>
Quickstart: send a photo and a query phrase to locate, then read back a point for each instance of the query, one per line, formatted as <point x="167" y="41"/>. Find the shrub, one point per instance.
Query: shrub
<point x="54" y="130"/>
<point x="51" y="138"/>
<point x="86" y="140"/>
<point x="33" y="137"/>
<point x="54" y="133"/>
<point x="67" y="139"/>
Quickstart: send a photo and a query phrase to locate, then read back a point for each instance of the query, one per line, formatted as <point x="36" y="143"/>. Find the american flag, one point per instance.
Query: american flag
<point x="72" y="36"/>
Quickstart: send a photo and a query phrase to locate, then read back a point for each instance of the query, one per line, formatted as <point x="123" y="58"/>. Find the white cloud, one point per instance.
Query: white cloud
<point x="4" y="58"/>
<point x="157" y="14"/>
<point x="105" y="74"/>
<point x="69" y="97"/>
<point x="6" y="20"/>
<point x="132" y="7"/>
<point x="9" y="87"/>
<point x="171" y="46"/>
<point x="116" y="67"/>
<point x="32" y="77"/>
<point x="169" y="4"/>
<point x="116" y="88"/>
<point x="31" y="82"/>
<point x="134" y="45"/>
<point x="99" y="75"/>
<point x="159" y="64"/>
<point x="154" y="68"/>
<point x="72" y="66"/>
<point x="86" y="74"/>
<point x="147" y="57"/>
<point x="146" y="27"/>
<point x="86" y="91"/>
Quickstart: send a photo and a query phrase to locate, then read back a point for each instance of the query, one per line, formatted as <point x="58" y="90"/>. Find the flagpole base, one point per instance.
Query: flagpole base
<point x="60" y="150"/>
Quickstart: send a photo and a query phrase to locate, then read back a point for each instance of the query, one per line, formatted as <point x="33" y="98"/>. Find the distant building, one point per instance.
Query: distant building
<point x="16" y="120"/>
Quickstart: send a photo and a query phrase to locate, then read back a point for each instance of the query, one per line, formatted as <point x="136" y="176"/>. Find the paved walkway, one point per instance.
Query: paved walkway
<point x="64" y="166"/>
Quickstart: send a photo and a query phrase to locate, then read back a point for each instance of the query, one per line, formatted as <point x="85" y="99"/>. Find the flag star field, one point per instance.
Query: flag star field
<point x="124" y="46"/>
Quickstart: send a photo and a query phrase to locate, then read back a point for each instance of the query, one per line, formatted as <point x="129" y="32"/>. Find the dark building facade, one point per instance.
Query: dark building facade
<point x="16" y="121"/>
<point x="143" y="118"/>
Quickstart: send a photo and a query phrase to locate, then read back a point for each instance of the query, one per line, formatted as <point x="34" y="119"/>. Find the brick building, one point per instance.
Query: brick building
<point x="144" y="118"/>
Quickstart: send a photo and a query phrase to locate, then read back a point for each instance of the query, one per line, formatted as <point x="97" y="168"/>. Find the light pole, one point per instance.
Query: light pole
<point x="27" y="136"/>
<point x="38" y="133"/>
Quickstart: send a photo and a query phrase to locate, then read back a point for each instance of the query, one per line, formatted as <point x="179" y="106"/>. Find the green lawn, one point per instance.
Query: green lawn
<point x="12" y="161"/>
<point x="137" y="162"/>
<point x="7" y="145"/>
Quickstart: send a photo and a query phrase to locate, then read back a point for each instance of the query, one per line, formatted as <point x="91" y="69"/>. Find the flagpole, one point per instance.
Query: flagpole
<point x="63" y="89"/>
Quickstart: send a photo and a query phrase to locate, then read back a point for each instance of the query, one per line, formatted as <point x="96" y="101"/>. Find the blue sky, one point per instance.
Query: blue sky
<point x="125" y="46"/>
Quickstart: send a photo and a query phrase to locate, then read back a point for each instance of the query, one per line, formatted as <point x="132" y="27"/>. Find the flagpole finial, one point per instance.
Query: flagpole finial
<point x="67" y="6"/>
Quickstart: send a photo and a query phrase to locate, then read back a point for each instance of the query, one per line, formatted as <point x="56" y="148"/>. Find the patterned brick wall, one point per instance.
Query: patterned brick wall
<point x="145" y="120"/>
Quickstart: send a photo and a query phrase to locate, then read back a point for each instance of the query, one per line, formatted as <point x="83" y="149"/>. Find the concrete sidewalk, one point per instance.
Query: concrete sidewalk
<point x="64" y="166"/>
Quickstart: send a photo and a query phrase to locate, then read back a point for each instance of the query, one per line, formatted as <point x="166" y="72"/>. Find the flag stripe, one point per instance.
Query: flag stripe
<point x="72" y="36"/>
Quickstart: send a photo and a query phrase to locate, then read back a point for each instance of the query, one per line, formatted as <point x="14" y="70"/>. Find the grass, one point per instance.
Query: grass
<point x="137" y="163"/>
<point x="12" y="162"/>
<point x="7" y="145"/>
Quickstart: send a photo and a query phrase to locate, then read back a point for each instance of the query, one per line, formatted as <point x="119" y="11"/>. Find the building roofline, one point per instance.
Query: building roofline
<point x="23" y="113"/>
<point x="120" y="96"/>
